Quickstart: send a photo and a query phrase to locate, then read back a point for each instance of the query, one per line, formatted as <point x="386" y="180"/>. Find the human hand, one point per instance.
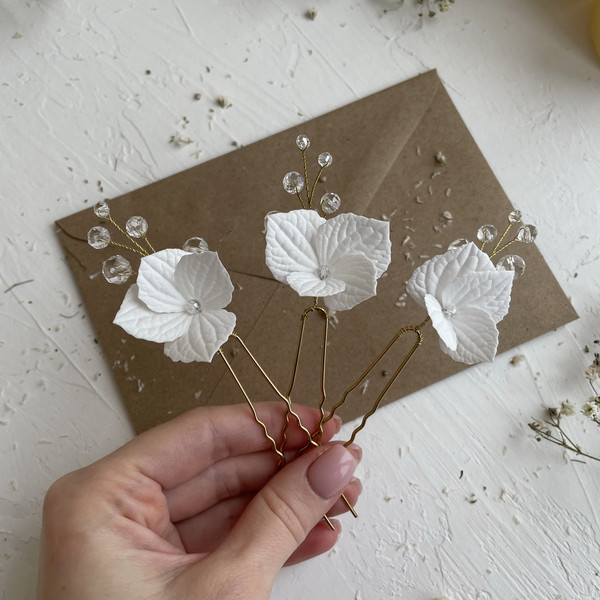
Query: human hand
<point x="195" y="508"/>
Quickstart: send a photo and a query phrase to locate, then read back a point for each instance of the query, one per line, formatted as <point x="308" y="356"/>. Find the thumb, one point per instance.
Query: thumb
<point x="282" y="514"/>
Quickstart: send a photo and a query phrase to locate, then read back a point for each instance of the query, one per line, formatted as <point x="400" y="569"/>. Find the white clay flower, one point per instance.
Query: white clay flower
<point x="465" y="298"/>
<point x="178" y="299"/>
<point x="339" y="259"/>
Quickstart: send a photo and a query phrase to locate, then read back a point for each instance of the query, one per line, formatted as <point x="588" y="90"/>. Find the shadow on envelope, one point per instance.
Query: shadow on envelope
<point x="384" y="149"/>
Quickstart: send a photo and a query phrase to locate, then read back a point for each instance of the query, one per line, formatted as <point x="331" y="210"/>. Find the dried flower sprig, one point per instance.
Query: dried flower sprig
<point x="551" y="428"/>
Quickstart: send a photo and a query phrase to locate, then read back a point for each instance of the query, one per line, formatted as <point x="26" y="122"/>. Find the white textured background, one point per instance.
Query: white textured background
<point x="81" y="120"/>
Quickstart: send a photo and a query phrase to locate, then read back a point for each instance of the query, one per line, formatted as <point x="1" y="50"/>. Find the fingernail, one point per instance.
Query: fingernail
<point x="356" y="450"/>
<point x="329" y="474"/>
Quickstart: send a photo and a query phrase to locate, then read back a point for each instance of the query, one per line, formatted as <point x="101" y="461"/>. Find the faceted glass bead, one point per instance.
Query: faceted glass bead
<point x="487" y="233"/>
<point x="512" y="262"/>
<point x="527" y="234"/>
<point x="330" y="202"/>
<point x="515" y="216"/>
<point x="323" y="272"/>
<point x="98" y="237"/>
<point x="325" y="159"/>
<point x="457" y="243"/>
<point x="293" y="182"/>
<point x="116" y="269"/>
<point x="302" y="142"/>
<point x="193" y="307"/>
<point x="449" y="311"/>
<point x="101" y="209"/>
<point x="136" y="227"/>
<point x="197" y="245"/>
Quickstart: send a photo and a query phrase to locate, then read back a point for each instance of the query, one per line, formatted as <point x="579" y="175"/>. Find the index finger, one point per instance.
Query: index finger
<point x="175" y="451"/>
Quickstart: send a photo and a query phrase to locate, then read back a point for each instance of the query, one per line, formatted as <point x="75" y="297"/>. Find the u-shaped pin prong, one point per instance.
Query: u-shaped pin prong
<point x="419" y="340"/>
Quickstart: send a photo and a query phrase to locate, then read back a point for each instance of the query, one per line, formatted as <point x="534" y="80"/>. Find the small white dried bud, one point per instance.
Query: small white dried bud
<point x="567" y="409"/>
<point x="590" y="409"/>
<point x="592" y="372"/>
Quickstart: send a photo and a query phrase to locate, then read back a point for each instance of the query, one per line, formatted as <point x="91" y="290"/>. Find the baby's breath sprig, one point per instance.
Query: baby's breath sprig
<point x="551" y="428"/>
<point x="431" y="5"/>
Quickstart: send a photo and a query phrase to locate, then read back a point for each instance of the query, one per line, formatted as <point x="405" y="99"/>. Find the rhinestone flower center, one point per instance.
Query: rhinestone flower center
<point x="193" y="307"/>
<point x="449" y="311"/>
<point x="323" y="272"/>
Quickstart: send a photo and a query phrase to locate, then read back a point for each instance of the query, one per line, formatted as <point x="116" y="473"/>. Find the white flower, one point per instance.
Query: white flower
<point x="338" y="259"/>
<point x="178" y="299"/>
<point x="590" y="409"/>
<point x="465" y="297"/>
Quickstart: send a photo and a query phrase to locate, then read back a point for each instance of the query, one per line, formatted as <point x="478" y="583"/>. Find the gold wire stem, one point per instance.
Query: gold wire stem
<point x="300" y="198"/>
<point x="397" y="336"/>
<point x="375" y="406"/>
<point x="312" y="191"/>
<point x="241" y="387"/>
<point x="117" y="245"/>
<point x="308" y="198"/>
<point x="142" y="250"/>
<point x="503" y="247"/>
<point x="149" y="244"/>
<point x="501" y="239"/>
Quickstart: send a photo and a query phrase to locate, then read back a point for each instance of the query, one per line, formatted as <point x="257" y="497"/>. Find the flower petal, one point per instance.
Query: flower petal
<point x="208" y="331"/>
<point x="441" y="323"/>
<point x="359" y="275"/>
<point x="349" y="233"/>
<point x="433" y="276"/>
<point x="289" y="242"/>
<point x="489" y="290"/>
<point x="308" y="284"/>
<point x="141" y="322"/>
<point x="203" y="277"/>
<point x="476" y="334"/>
<point x="156" y="281"/>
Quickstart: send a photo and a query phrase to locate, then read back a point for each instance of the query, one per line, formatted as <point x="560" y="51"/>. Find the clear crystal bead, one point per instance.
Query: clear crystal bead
<point x="101" y="209"/>
<point x="512" y="262"/>
<point x="527" y="234"/>
<point x="293" y="182"/>
<point x="136" y="227"/>
<point x="197" y="245"/>
<point x="323" y="272"/>
<point x="515" y="216"/>
<point x="449" y="310"/>
<point x="98" y="237"/>
<point x="302" y="142"/>
<point x="457" y="243"/>
<point x="193" y="307"/>
<point x="487" y="233"/>
<point x="325" y="159"/>
<point x="330" y="202"/>
<point x="116" y="269"/>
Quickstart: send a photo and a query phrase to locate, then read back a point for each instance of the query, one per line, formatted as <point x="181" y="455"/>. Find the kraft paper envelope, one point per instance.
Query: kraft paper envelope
<point x="385" y="166"/>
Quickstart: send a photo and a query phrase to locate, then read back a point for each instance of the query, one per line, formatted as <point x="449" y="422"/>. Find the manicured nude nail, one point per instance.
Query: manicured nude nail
<point x="330" y="473"/>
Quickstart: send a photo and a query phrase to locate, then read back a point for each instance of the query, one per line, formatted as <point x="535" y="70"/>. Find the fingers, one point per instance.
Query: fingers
<point x="228" y="478"/>
<point x="176" y="451"/>
<point x="204" y="532"/>
<point x="284" y="512"/>
<point x="320" y="539"/>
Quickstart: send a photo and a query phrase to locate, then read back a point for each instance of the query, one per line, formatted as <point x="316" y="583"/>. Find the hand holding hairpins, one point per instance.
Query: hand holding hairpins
<point x="180" y="296"/>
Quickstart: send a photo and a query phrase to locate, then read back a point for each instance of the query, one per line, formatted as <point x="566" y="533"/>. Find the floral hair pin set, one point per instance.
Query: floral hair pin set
<point x="179" y="296"/>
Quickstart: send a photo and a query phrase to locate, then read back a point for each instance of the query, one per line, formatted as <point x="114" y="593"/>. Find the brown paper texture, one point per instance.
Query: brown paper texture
<point x="384" y="149"/>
